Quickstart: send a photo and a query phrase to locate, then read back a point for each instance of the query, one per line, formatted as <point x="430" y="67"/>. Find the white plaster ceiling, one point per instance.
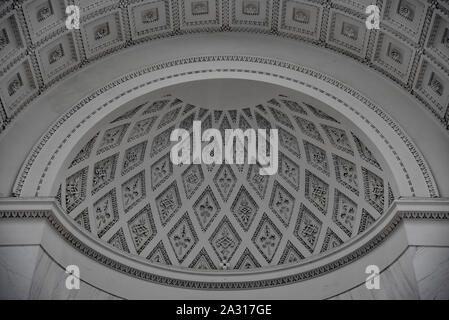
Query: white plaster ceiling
<point x="224" y="94"/>
<point x="37" y="51"/>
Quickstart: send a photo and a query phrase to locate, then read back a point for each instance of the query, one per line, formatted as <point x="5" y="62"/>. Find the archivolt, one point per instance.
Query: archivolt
<point x="39" y="172"/>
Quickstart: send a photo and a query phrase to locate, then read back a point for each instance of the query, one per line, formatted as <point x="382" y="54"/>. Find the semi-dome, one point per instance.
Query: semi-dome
<point x="122" y="187"/>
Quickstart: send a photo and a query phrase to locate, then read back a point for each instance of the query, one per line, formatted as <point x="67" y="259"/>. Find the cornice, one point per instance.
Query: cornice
<point x="401" y="210"/>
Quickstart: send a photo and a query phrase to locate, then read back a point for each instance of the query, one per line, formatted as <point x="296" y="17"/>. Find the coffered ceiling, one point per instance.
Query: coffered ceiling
<point x="121" y="187"/>
<point x="37" y="51"/>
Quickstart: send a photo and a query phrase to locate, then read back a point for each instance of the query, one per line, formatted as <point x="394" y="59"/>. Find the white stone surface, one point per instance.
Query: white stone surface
<point x="396" y="282"/>
<point x="28" y="272"/>
<point x="49" y="283"/>
<point x="17" y="264"/>
<point x="432" y="272"/>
